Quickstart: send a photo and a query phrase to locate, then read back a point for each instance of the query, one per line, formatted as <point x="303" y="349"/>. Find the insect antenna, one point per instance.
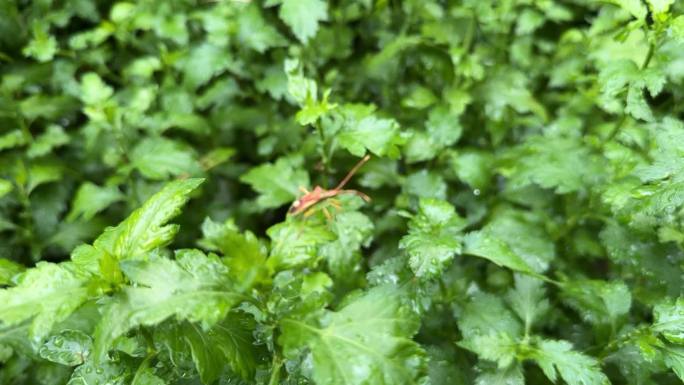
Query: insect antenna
<point x="352" y="172"/>
<point x="357" y="193"/>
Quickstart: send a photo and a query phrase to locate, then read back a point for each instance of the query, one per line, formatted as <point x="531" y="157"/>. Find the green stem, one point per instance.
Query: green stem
<point x="325" y="160"/>
<point x="615" y="129"/>
<point x="275" y="369"/>
<point x="5" y="57"/>
<point x="649" y="55"/>
<point x="27" y="219"/>
<point x="24" y="128"/>
<point x="149" y="339"/>
<point x="145" y="364"/>
<point x="545" y="279"/>
<point x="470" y="34"/>
<point x="528" y="329"/>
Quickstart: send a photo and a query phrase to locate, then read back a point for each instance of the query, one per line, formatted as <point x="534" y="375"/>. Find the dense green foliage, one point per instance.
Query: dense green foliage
<point x="526" y="175"/>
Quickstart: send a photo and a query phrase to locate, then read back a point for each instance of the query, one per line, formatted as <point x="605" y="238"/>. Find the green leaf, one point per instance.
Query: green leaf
<point x="528" y="300"/>
<point x="598" y="302"/>
<point x="557" y="358"/>
<point x="514" y="144"/>
<point x="512" y="375"/>
<point x="159" y="158"/>
<point x="15" y="339"/>
<point x="229" y="342"/>
<point x="499" y="348"/>
<point x="677" y="27"/>
<point x="216" y="157"/>
<point x="443" y="126"/>
<point x="616" y="76"/>
<point x="637" y="105"/>
<point x="203" y="62"/>
<point x="486" y="314"/>
<point x="661" y="179"/>
<point x="484" y="245"/>
<point x="8" y="269"/>
<point x="426" y="184"/>
<point x="296" y="243"/>
<point x="660" y="6"/>
<point x="434" y="237"/>
<point x="623" y="75"/>
<point x="145" y="376"/>
<point x="303" y="16"/>
<point x="5" y="187"/>
<point x="53" y="137"/>
<point x="524" y="234"/>
<point x="669" y="320"/>
<point x="474" y="168"/>
<point x="255" y="32"/>
<point x="91" y="38"/>
<point x="366" y="341"/>
<point x="302" y="89"/>
<point x="146" y="229"/>
<point x="12" y="139"/>
<point x="43" y="46"/>
<point x="441" y="368"/>
<point x="93" y="90"/>
<point x="173" y="27"/>
<point x="68" y="347"/>
<point x="47" y="106"/>
<point x="143" y="67"/>
<point x="419" y="147"/>
<point x="277" y="183"/>
<point x="193" y="287"/>
<point x="244" y="255"/>
<point x="558" y="163"/>
<point x="635" y="7"/>
<point x="379" y="136"/>
<point x="674" y="359"/>
<point x="509" y="89"/>
<point x="110" y="372"/>
<point x="90" y="199"/>
<point x="491" y="331"/>
<point x="41" y="173"/>
<point x="47" y="294"/>
<point x="528" y="22"/>
<point x="343" y="255"/>
<point x="419" y="98"/>
<point x="313" y="110"/>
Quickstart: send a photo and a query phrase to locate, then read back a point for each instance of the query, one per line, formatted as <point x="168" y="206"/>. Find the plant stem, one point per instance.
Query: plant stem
<point x="649" y="55"/>
<point x="275" y="369"/>
<point x="615" y="129"/>
<point x="325" y="160"/>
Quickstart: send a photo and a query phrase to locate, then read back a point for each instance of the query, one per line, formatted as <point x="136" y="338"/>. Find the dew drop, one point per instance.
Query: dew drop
<point x="476" y="192"/>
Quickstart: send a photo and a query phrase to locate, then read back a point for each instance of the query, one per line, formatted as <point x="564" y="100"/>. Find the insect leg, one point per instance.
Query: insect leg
<point x="335" y="203"/>
<point x="357" y="193"/>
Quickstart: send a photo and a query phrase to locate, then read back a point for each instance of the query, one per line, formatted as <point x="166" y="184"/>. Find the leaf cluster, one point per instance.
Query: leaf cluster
<point x="526" y="174"/>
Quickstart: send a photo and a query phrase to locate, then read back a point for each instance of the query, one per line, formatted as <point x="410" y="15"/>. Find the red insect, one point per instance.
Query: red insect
<point x="311" y="198"/>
